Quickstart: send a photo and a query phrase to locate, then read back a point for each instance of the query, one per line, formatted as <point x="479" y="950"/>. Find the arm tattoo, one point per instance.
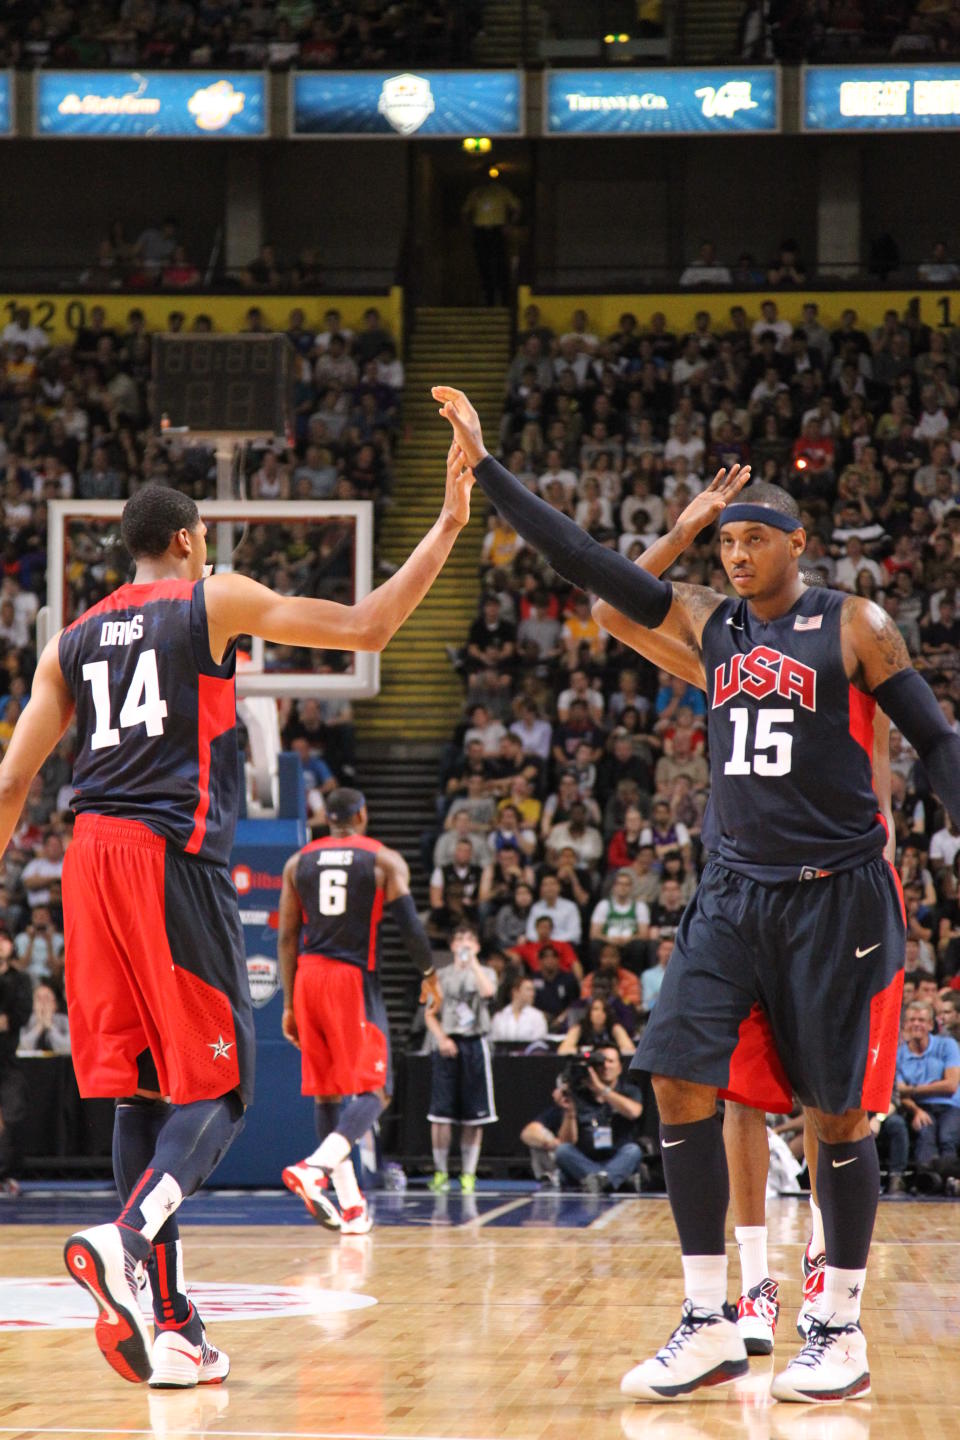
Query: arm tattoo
<point x="698" y="604"/>
<point x="879" y="647"/>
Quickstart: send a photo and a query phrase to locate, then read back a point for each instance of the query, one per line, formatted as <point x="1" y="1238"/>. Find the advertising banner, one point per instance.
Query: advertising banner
<point x="881" y="97"/>
<point x="167" y="105"/>
<point x="662" y="102"/>
<point x="436" y="104"/>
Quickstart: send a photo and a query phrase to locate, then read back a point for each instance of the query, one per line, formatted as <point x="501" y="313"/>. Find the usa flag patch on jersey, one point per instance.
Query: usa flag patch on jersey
<point x="808" y="622"/>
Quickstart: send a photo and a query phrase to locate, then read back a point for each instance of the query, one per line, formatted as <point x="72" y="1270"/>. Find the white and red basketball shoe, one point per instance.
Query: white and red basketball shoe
<point x="757" y="1313"/>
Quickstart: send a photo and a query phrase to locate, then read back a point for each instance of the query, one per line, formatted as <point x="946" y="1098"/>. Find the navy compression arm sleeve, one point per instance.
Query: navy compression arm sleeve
<point x="912" y="706"/>
<point x="414" y="936"/>
<point x="572" y="552"/>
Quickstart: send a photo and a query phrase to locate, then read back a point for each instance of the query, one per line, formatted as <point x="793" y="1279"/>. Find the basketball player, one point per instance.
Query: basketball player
<point x="336" y="890"/>
<point x="798" y="913"/>
<point x="756" y="1072"/>
<point x="158" y="999"/>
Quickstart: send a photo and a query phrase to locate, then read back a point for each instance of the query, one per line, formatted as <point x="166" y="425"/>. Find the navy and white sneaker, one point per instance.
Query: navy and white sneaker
<point x="757" y="1315"/>
<point x="706" y="1349"/>
<point x="832" y="1366"/>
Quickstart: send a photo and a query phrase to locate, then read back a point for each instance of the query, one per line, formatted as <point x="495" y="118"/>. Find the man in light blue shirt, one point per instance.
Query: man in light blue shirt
<point x="928" y="1074"/>
<point x="652" y="979"/>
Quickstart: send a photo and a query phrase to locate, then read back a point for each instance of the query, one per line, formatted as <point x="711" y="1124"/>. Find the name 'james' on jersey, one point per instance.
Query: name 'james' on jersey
<point x="791" y="743"/>
<point x="156" y="716"/>
<point x="342" y="904"/>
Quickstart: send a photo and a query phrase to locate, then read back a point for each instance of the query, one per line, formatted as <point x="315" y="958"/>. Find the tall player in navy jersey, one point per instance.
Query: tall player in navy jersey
<point x="157" y="994"/>
<point x="797" y="912"/>
<point x="757" y="1081"/>
<point x="335" y="892"/>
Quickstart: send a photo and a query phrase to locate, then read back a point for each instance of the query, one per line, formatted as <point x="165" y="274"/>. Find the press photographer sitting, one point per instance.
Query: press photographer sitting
<point x="590" y="1129"/>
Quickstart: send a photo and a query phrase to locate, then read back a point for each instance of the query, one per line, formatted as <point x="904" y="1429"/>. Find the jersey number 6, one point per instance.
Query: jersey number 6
<point x="333" y="892"/>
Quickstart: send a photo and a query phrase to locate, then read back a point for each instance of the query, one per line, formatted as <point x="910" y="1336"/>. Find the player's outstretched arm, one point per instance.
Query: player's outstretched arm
<point x="877" y="660"/>
<point x="569" y="549"/>
<point x="237" y="605"/>
<point x="399" y="904"/>
<point x="665" y="647"/>
<point x="289" y="926"/>
<point x="37" y="732"/>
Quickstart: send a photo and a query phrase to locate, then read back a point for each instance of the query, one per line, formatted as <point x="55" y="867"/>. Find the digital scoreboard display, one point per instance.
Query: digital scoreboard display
<point x="223" y="384"/>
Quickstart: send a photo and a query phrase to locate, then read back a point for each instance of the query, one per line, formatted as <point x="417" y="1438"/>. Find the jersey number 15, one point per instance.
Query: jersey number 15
<point x="142" y="704"/>
<point x="766" y="738"/>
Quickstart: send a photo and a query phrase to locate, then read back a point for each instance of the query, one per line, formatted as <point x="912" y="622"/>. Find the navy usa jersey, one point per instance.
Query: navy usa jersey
<point x="791" y="743"/>
<point x="156" y="716"/>
<point x="341" y="902"/>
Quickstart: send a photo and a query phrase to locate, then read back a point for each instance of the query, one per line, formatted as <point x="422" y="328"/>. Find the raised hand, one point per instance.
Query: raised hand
<point x="705" y="507"/>
<point x="456" y="500"/>
<point x="455" y="407"/>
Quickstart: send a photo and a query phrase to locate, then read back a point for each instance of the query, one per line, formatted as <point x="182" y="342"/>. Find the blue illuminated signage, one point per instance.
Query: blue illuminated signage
<point x="881" y="97"/>
<point x="661" y="102"/>
<point x="428" y="103"/>
<point x="6" y="102"/>
<point x="107" y="104"/>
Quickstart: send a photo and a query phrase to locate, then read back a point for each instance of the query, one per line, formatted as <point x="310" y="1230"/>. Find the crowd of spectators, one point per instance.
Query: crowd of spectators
<point x="796" y="30"/>
<point x="573" y="791"/>
<point x="243" y="34"/>
<point x="75" y="421"/>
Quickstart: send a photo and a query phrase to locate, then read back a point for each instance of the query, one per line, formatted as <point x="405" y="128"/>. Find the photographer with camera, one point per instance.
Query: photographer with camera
<point x="590" y="1130"/>
<point x="461" y="1082"/>
<point x="16" y="1002"/>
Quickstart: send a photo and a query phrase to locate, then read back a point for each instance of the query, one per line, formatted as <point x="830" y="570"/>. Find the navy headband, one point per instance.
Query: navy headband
<point x="763" y="514"/>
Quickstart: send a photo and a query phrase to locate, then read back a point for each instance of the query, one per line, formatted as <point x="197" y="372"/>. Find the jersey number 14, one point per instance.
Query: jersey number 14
<point x="142" y="704"/>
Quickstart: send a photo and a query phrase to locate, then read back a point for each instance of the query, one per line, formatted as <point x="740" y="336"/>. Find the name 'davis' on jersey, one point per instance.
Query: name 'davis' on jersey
<point x="121" y="632"/>
<point x="764" y="672"/>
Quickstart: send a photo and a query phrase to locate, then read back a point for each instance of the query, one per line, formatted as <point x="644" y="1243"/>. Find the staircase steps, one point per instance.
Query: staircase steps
<point x="421" y="696"/>
<point x="400" y="784"/>
<point x="710" y="31"/>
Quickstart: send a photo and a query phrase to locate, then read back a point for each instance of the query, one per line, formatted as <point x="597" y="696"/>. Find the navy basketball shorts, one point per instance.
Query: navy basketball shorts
<point x="461" y="1085"/>
<point x="156" y="971"/>
<point x="775" y="990"/>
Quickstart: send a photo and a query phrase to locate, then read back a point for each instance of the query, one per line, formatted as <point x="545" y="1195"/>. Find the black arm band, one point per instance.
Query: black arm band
<point x="572" y="552"/>
<point x="414" y="936"/>
<point x="912" y="706"/>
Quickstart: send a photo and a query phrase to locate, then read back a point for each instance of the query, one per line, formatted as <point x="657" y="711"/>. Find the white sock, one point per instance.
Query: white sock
<point x="469" y="1155"/>
<point x="331" y="1151"/>
<point x="842" y="1294"/>
<point x="345" y="1184"/>
<point x="817" y="1242"/>
<point x="705" y="1281"/>
<point x="752" y="1242"/>
<point x="441" y="1158"/>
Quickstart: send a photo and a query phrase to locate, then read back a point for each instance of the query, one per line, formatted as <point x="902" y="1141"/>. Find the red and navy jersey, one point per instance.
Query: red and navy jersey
<point x="791" y="743"/>
<point x="156" y="716"/>
<point x="342" y="904"/>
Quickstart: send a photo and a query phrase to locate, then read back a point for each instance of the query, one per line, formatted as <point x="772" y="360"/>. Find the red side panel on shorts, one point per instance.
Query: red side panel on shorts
<point x="341" y="1051"/>
<point x="124" y="992"/>
<point x="757" y="1077"/>
<point x="217" y="715"/>
<point x="881" y="1064"/>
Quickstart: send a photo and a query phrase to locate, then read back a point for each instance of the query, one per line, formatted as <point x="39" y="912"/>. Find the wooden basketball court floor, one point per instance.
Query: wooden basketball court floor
<point x="511" y="1316"/>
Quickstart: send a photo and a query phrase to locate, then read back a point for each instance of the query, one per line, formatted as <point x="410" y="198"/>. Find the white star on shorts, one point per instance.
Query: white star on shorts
<point x="380" y="1066"/>
<point x="221" y="1048"/>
